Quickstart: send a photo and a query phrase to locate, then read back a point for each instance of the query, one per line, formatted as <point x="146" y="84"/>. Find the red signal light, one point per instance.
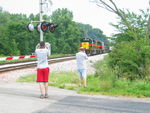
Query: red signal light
<point x="53" y="27"/>
<point x="44" y="26"/>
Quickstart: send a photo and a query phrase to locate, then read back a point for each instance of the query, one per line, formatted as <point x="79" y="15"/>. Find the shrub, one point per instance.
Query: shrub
<point x="131" y="59"/>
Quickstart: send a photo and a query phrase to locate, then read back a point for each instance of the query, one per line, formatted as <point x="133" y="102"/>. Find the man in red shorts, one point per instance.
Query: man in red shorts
<point x="42" y="54"/>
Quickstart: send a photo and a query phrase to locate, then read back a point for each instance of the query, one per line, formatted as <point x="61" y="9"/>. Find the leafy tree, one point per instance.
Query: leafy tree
<point x="139" y="25"/>
<point x="93" y="33"/>
<point x="15" y="38"/>
<point x="131" y="57"/>
<point x="112" y="7"/>
<point x="68" y="33"/>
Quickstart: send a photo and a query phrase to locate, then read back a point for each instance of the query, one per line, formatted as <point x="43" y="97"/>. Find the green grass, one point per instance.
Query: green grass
<point x="96" y="85"/>
<point x="103" y="82"/>
<point x="66" y="80"/>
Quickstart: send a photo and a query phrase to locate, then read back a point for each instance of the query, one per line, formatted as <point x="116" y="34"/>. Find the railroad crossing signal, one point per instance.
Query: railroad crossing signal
<point x="39" y="27"/>
<point x="44" y="26"/>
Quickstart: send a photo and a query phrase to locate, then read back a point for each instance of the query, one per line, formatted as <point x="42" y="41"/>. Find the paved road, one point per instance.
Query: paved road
<point x="24" y="98"/>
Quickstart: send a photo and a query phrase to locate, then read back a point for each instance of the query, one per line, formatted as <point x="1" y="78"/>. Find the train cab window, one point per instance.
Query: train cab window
<point x="86" y="40"/>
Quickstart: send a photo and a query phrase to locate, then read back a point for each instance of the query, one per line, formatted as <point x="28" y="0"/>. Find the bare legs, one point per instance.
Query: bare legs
<point x="80" y="82"/>
<point x="82" y="77"/>
<point x="41" y="85"/>
<point x="44" y="89"/>
<point x="84" y="82"/>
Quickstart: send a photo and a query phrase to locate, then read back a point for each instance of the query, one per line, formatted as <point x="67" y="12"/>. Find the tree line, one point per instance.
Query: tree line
<point x="130" y="57"/>
<point x="15" y="39"/>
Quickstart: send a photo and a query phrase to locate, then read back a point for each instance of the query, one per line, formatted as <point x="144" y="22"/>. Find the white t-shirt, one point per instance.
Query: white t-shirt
<point x="81" y="59"/>
<point x="42" y="55"/>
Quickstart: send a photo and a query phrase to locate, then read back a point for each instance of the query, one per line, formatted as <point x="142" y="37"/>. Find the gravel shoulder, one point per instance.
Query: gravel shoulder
<point x="66" y="66"/>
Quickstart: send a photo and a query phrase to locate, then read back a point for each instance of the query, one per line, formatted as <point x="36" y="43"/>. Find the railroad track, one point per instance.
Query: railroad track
<point x="9" y="67"/>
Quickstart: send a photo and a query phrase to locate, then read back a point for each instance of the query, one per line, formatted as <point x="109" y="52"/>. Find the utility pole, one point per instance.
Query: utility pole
<point x="41" y="18"/>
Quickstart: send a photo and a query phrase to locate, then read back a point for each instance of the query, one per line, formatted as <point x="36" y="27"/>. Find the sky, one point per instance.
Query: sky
<point x="83" y="11"/>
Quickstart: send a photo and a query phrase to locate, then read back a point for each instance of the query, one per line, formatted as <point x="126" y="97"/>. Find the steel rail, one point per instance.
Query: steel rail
<point x="10" y="67"/>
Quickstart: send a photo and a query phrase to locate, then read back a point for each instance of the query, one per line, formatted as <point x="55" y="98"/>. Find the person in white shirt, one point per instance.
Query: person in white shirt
<point x="81" y="59"/>
<point x="42" y="54"/>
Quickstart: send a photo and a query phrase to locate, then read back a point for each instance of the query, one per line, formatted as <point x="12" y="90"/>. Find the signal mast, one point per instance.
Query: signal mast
<point x="43" y="25"/>
<point x="41" y="5"/>
<point x="41" y="18"/>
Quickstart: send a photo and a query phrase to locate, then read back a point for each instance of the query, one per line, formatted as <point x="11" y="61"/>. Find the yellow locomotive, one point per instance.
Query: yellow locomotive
<point x="92" y="46"/>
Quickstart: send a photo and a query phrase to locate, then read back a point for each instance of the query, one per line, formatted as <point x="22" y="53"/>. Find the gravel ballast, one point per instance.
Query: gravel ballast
<point x="66" y="66"/>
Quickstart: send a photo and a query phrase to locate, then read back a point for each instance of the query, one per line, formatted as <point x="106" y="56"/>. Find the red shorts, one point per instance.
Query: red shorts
<point x="43" y="75"/>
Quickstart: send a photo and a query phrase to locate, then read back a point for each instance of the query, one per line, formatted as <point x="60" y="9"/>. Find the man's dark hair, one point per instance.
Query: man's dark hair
<point x="42" y="44"/>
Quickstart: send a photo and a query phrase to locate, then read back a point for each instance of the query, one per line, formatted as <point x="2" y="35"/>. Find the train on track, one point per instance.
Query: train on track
<point x="93" y="47"/>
